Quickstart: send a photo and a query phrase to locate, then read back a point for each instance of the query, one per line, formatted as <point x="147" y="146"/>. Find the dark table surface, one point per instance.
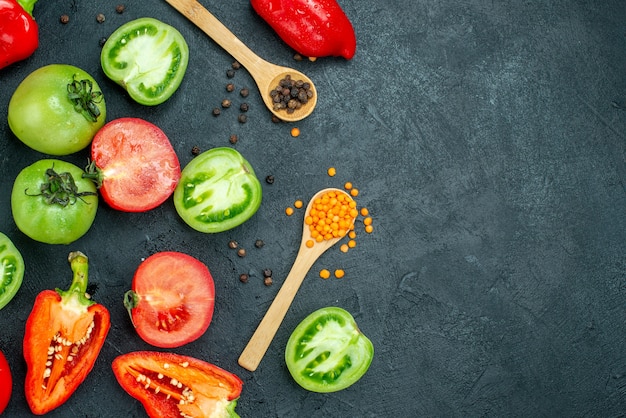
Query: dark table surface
<point x="488" y="141"/>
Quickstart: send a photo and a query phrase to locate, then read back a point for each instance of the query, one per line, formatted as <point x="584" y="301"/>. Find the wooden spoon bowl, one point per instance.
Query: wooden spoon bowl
<point x="264" y="334"/>
<point x="266" y="75"/>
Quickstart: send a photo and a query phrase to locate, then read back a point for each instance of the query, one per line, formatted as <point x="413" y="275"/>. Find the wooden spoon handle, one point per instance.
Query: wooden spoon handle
<point x="252" y="355"/>
<point x="210" y="25"/>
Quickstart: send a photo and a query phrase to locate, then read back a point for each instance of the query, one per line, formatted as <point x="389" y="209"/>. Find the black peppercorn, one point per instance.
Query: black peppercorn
<point x="120" y="8"/>
<point x="233" y="139"/>
<point x="267" y="273"/>
<point x="230" y="73"/>
<point x="241" y="252"/>
<point x="64" y="19"/>
<point x="259" y="243"/>
<point x="243" y="278"/>
<point x="100" y="18"/>
<point x="232" y="244"/>
<point x="269" y="179"/>
<point x="226" y="103"/>
<point x="195" y="150"/>
<point x="267" y="281"/>
<point x="236" y="65"/>
<point x="216" y="111"/>
<point x="244" y="107"/>
<point x="102" y="41"/>
<point x="230" y="87"/>
<point x="242" y="118"/>
<point x="244" y="92"/>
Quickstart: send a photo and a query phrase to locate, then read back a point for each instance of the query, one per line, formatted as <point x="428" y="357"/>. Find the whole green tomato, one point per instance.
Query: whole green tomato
<point x="52" y="203"/>
<point x="57" y="109"/>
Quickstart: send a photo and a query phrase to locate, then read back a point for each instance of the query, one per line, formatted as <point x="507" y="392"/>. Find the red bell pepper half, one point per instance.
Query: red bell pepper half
<point x="174" y="385"/>
<point x="314" y="28"/>
<point x="64" y="334"/>
<point x="19" y="33"/>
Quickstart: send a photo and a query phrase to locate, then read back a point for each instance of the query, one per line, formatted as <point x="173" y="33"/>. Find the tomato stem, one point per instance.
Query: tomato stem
<point x="84" y="98"/>
<point x="92" y="172"/>
<point x="60" y="188"/>
<point x="131" y="299"/>
<point x="78" y="289"/>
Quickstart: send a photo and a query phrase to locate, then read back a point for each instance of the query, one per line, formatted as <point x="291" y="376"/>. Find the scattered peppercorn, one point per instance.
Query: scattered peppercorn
<point x="102" y="41"/>
<point x="64" y="19"/>
<point x="236" y="65"/>
<point x="120" y="8"/>
<point x="226" y="103"/>
<point x="241" y="252"/>
<point x="230" y="73"/>
<point x="243" y="278"/>
<point x="100" y="18"/>
<point x="276" y="119"/>
<point x="297" y="57"/>
<point x="244" y="92"/>
<point x="230" y="87"/>
<point x="267" y="281"/>
<point x="195" y="150"/>
<point x="242" y="118"/>
<point x="259" y="243"/>
<point x="269" y="179"/>
<point x="233" y="244"/>
<point x="216" y="111"/>
<point x="267" y="272"/>
<point x="244" y="107"/>
<point x="233" y="139"/>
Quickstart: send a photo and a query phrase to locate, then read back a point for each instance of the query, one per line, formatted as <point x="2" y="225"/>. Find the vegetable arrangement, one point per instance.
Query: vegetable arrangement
<point x="20" y="33"/>
<point x="59" y="110"/>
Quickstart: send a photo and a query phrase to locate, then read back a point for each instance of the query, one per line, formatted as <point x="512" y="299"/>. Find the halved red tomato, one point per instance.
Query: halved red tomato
<point x="133" y="165"/>
<point x="6" y="383"/>
<point x="173" y="385"/>
<point x="172" y="299"/>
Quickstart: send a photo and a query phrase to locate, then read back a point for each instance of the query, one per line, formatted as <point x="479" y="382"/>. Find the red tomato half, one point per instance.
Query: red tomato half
<point x="6" y="383"/>
<point x="172" y="299"/>
<point x="136" y="167"/>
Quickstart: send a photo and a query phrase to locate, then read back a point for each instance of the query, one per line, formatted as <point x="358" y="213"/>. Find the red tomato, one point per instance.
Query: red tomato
<point x="136" y="167"/>
<point x="172" y="299"/>
<point x="6" y="383"/>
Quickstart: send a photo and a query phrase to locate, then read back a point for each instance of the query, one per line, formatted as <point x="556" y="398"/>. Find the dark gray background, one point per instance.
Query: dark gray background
<point x="488" y="143"/>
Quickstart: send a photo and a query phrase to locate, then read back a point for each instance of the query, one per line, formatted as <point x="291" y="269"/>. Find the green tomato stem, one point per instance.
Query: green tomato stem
<point x="27" y="5"/>
<point x="78" y="289"/>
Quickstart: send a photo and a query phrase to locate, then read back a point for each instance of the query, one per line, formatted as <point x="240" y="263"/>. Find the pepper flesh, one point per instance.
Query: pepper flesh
<point x="19" y="37"/>
<point x="313" y="28"/>
<point x="64" y="334"/>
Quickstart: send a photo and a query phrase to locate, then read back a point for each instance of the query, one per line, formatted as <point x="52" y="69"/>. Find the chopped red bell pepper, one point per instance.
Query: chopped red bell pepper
<point x="19" y="34"/>
<point x="64" y="334"/>
<point x="314" y="28"/>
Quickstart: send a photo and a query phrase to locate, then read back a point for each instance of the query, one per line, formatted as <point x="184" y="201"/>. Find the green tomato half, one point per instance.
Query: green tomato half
<point x="327" y="352"/>
<point x="11" y="270"/>
<point x="52" y="203"/>
<point x="218" y="191"/>
<point x="148" y="58"/>
<point x="57" y="109"/>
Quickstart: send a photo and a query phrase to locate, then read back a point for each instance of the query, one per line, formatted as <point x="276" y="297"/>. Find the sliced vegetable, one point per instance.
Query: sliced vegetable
<point x="11" y="270"/>
<point x="218" y="191"/>
<point x="148" y="58"/>
<point x="173" y="385"/>
<point x="57" y="109"/>
<point x="64" y="334"/>
<point x="20" y="33"/>
<point x="134" y="165"/>
<point x="172" y="299"/>
<point x="327" y="352"/>
<point x="52" y="203"/>
<point x="6" y="383"/>
<point x="313" y="28"/>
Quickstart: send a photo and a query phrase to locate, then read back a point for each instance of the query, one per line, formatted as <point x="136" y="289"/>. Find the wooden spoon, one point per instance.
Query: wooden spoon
<point x="265" y="74"/>
<point x="262" y="337"/>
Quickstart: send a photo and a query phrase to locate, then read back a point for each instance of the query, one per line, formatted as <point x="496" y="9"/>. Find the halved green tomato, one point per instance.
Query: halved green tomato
<point x="11" y="270"/>
<point x="218" y="191"/>
<point x="327" y="352"/>
<point x="146" y="57"/>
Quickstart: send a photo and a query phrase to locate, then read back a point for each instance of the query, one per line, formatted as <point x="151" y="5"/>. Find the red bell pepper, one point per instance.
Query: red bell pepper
<point x="314" y="28"/>
<point x="64" y="334"/>
<point x="19" y="33"/>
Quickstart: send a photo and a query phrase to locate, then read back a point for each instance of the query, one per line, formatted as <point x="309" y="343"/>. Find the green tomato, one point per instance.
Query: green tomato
<point x="57" y="109"/>
<point x="11" y="270"/>
<point x="327" y="352"/>
<point x="148" y="58"/>
<point x="218" y="191"/>
<point x="52" y="203"/>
